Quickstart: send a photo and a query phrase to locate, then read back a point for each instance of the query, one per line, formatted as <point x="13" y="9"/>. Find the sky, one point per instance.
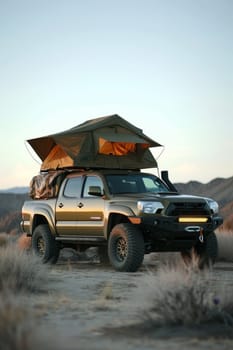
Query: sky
<point x="165" y="66"/>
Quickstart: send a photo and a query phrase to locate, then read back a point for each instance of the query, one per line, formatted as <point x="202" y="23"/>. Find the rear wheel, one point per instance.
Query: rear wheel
<point x="44" y="244"/>
<point x="126" y="247"/>
<point x="206" y="252"/>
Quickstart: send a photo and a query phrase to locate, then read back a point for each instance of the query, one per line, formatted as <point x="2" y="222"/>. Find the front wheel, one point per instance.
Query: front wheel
<point x="208" y="252"/>
<point x="44" y="244"/>
<point x="126" y="247"/>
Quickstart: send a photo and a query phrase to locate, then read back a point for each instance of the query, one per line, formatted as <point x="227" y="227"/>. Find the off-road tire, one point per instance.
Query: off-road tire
<point x="44" y="244"/>
<point x="206" y="252"/>
<point x="126" y="247"/>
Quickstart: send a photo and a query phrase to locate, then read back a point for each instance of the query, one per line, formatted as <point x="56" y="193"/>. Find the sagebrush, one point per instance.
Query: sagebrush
<point x="183" y="295"/>
<point x="4" y="239"/>
<point x="21" y="270"/>
<point x="16" y="323"/>
<point x="21" y="274"/>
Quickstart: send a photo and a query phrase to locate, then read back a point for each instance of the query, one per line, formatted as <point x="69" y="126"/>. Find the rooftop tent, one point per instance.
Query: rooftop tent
<point x="106" y="142"/>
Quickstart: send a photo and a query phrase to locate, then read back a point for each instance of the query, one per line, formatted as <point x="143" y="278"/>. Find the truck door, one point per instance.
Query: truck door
<point x="66" y="207"/>
<point x="77" y="212"/>
<point x="92" y="208"/>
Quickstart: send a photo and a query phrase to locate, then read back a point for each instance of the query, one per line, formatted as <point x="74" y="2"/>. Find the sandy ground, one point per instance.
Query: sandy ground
<point x="91" y="306"/>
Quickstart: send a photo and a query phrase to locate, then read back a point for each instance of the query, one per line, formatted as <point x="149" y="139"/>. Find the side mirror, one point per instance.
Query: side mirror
<point x="95" y="191"/>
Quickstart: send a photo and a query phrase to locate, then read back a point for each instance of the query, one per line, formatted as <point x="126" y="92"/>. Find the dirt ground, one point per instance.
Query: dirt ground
<point x="91" y="306"/>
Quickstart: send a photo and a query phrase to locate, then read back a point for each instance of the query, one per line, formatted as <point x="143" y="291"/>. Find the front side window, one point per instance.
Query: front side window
<point x="92" y="181"/>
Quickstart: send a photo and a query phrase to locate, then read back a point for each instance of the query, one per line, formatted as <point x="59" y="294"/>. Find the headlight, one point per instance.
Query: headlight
<point x="149" y="207"/>
<point x="213" y="205"/>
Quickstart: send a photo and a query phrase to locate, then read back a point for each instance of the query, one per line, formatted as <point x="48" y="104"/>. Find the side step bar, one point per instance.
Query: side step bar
<point x="80" y="239"/>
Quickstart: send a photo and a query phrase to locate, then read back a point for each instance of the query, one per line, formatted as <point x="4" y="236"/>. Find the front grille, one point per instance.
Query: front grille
<point x="187" y="208"/>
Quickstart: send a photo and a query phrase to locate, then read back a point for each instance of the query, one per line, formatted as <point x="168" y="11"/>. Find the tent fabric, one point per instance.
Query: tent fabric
<point x="57" y="156"/>
<point x="105" y="142"/>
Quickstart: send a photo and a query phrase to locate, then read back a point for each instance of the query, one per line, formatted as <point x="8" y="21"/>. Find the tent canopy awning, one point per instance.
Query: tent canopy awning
<point x="106" y="142"/>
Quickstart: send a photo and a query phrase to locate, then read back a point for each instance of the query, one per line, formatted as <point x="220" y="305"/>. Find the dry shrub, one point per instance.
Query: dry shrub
<point x="24" y="242"/>
<point x="225" y="245"/>
<point x="21" y="271"/>
<point x="4" y="239"/>
<point x="183" y="295"/>
<point x="19" y="325"/>
<point x="16" y="324"/>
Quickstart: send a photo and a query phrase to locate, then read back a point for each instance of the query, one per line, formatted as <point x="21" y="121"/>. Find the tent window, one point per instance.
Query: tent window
<point x="115" y="148"/>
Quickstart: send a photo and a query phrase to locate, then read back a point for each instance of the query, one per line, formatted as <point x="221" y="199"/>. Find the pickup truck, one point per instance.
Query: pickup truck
<point x="126" y="214"/>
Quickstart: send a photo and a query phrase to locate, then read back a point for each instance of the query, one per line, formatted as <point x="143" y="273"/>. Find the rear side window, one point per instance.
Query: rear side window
<point x="73" y="187"/>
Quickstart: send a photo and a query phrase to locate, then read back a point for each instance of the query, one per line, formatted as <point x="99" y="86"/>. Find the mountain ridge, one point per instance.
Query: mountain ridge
<point x="220" y="189"/>
<point x="16" y="189"/>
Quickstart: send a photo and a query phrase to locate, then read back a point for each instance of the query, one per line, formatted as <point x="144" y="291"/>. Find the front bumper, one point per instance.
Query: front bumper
<point x="169" y="227"/>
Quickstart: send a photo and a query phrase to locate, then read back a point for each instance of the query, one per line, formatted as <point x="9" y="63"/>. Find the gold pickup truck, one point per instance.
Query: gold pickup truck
<point x="126" y="213"/>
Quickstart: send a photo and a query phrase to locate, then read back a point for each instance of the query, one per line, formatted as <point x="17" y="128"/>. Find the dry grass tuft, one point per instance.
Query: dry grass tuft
<point x="183" y="295"/>
<point x="225" y="245"/>
<point x="106" y="297"/>
<point x="16" y="324"/>
<point x="24" y="242"/>
<point x="107" y="292"/>
<point x="4" y="239"/>
<point x="21" y="271"/>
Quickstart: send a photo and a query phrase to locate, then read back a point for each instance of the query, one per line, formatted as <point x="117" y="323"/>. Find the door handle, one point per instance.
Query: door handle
<point x="80" y="205"/>
<point x="61" y="205"/>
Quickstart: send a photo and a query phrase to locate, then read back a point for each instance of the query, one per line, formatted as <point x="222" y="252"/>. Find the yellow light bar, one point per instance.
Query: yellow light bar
<point x="192" y="219"/>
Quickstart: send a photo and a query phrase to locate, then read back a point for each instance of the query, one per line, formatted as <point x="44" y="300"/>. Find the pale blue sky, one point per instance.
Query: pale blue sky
<point x="165" y="66"/>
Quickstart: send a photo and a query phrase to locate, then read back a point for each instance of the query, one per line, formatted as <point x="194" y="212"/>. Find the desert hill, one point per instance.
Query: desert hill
<point x="10" y="211"/>
<point x="219" y="189"/>
<point x="16" y="190"/>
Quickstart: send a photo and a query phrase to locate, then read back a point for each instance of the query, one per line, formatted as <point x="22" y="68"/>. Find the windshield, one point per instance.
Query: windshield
<point x="135" y="183"/>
